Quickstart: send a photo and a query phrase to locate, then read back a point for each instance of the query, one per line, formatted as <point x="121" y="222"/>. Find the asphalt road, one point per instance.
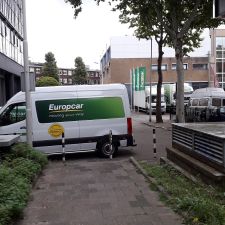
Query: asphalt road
<point x="143" y="134"/>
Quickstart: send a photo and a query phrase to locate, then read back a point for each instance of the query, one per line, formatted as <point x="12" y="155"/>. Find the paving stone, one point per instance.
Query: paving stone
<point x="95" y="192"/>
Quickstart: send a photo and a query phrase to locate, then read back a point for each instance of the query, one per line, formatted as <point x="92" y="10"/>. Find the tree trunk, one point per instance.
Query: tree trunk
<point x="180" y="83"/>
<point x="159" y="85"/>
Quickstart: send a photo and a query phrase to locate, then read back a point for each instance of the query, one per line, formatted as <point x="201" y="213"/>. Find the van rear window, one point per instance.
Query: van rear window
<point x="60" y="110"/>
<point x="216" y="102"/>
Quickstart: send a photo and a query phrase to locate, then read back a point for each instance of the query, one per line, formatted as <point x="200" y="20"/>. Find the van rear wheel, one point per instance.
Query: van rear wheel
<point x="105" y="150"/>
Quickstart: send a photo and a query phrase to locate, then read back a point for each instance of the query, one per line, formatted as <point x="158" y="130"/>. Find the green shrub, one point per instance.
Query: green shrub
<point x="25" y="151"/>
<point x="46" y="81"/>
<point x="201" y="204"/>
<point x="13" y="195"/>
<point x="24" y="167"/>
<point x="19" y="167"/>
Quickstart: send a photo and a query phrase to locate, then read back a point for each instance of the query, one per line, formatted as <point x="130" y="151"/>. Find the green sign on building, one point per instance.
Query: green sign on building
<point x="142" y="78"/>
<point x="138" y="78"/>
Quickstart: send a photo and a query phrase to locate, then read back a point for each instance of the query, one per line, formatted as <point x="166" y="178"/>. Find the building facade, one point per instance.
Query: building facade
<point x="65" y="74"/>
<point x="125" y="54"/>
<point x="11" y="48"/>
<point x="217" y="59"/>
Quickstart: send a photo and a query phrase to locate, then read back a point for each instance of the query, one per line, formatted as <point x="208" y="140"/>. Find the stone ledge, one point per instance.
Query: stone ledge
<point x="195" y="167"/>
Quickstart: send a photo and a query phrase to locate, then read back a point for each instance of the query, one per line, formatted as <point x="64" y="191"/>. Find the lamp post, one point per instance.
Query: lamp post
<point x="27" y="78"/>
<point x="150" y="85"/>
<point x="101" y="73"/>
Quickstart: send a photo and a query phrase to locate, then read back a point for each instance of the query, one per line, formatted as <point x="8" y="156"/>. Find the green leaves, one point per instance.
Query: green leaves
<point x="20" y="166"/>
<point x="46" y="81"/>
<point x="199" y="203"/>
<point x="50" y="68"/>
<point x="80" y="73"/>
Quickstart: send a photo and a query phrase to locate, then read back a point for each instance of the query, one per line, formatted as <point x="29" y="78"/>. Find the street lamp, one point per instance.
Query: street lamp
<point x="27" y="78"/>
<point x="150" y="85"/>
<point x="101" y="73"/>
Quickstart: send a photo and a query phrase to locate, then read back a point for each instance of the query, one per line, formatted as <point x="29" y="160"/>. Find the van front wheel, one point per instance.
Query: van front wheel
<point x="105" y="149"/>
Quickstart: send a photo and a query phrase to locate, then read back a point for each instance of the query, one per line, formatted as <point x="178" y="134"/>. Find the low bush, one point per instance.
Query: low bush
<point x="17" y="171"/>
<point x="200" y="204"/>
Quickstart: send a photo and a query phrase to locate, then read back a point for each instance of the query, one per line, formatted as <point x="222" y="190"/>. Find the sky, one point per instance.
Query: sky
<point x="51" y="27"/>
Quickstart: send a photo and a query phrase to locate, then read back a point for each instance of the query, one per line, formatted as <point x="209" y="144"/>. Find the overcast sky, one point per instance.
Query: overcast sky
<point x="51" y="27"/>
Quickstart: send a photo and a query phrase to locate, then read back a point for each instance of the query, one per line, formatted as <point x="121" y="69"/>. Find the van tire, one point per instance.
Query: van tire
<point x="103" y="149"/>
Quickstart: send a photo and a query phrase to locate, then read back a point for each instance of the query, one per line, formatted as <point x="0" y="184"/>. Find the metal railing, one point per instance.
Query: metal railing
<point x="210" y="146"/>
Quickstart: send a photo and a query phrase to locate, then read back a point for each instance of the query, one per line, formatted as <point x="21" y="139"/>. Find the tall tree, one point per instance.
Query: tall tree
<point x="143" y="18"/>
<point x="80" y="72"/>
<point x="50" y="67"/>
<point x="183" y="22"/>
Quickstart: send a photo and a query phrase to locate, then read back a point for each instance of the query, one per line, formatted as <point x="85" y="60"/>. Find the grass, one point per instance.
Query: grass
<point x="18" y="170"/>
<point x="200" y="204"/>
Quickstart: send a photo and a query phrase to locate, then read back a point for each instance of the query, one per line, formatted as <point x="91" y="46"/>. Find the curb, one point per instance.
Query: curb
<point x="150" y="179"/>
<point x="162" y="127"/>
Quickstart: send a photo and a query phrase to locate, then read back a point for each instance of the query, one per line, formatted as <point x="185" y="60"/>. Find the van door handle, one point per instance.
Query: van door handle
<point x="23" y="127"/>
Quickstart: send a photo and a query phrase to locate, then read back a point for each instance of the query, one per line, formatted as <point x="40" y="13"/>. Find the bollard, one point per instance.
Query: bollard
<point x="63" y="147"/>
<point x="154" y="143"/>
<point x="110" y="142"/>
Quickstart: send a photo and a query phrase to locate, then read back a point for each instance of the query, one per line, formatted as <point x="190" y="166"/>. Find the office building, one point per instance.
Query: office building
<point x="11" y="48"/>
<point x="127" y="53"/>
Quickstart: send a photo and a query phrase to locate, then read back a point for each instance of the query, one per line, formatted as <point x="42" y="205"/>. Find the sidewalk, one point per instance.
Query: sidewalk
<point x="144" y="118"/>
<point x="95" y="192"/>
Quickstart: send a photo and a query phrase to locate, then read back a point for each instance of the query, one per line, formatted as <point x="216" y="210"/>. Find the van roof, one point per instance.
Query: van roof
<point x="208" y="92"/>
<point x="65" y="88"/>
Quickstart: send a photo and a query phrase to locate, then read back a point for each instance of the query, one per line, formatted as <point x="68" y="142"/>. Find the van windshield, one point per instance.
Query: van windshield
<point x="13" y="113"/>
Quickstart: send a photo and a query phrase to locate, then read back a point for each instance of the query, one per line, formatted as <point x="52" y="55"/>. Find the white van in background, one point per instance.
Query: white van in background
<point x="141" y="99"/>
<point x="86" y="114"/>
<point x="206" y="104"/>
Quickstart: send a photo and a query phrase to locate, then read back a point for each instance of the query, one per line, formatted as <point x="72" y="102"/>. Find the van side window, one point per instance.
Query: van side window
<point x="194" y="102"/>
<point x="223" y="102"/>
<point x="13" y="113"/>
<point x="216" y="102"/>
<point x="203" y="102"/>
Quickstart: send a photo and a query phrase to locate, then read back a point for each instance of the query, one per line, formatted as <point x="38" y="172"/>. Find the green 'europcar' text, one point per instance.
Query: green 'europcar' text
<point x="62" y="110"/>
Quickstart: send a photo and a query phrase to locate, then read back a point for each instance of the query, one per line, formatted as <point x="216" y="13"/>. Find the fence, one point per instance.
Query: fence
<point x="206" y="140"/>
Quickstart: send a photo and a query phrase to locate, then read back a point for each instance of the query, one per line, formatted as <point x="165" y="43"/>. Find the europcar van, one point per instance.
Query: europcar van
<point x="86" y="114"/>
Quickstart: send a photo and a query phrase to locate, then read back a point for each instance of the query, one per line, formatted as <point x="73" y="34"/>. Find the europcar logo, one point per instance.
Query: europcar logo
<point x="65" y="108"/>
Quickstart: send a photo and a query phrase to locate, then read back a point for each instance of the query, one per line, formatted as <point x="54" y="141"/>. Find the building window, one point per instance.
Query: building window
<point x="174" y="66"/>
<point x="38" y="70"/>
<point x="32" y="69"/>
<point x="200" y="66"/>
<point x="69" y="72"/>
<point x="220" y="60"/>
<point x="155" y="67"/>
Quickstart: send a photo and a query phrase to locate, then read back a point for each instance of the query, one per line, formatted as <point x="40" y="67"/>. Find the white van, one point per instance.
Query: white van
<point x="84" y="113"/>
<point x="141" y="99"/>
<point x="206" y="104"/>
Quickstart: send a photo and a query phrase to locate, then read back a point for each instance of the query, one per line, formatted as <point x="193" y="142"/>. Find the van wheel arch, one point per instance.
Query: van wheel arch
<point x="103" y="148"/>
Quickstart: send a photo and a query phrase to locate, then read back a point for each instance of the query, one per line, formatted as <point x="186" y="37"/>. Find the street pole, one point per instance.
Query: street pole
<point x="150" y="85"/>
<point x="27" y="79"/>
<point x="131" y="89"/>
